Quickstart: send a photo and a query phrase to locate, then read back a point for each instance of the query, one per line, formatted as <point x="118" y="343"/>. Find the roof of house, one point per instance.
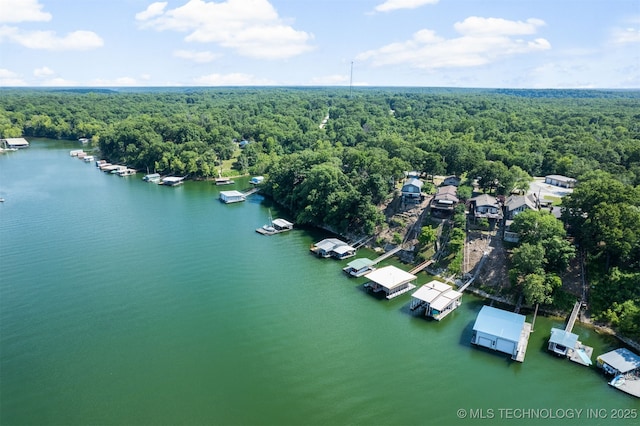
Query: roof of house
<point x="485" y="200"/>
<point x="390" y="276"/>
<point x="563" y="337"/>
<point x="496" y="322"/>
<point x="621" y="359"/>
<point x="414" y="182"/>
<point x="447" y="189"/>
<point x="516" y="201"/>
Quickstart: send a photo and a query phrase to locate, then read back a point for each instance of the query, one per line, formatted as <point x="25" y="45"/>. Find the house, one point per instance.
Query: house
<point x="486" y="206"/>
<point x="391" y="280"/>
<point x="229" y="197"/>
<point x="452" y="180"/>
<point x="15" y="143"/>
<point x="359" y="267"/>
<point x="619" y="361"/>
<point x="243" y="143"/>
<point x="561" y="181"/>
<point x="501" y="331"/>
<point x="437" y="298"/>
<point x="515" y="204"/>
<point x="445" y="201"/>
<point x="412" y="190"/>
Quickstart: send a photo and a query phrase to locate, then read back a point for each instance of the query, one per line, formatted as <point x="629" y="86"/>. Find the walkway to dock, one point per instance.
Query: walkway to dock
<point x="250" y="191"/>
<point x="387" y="254"/>
<point x="421" y="266"/>
<point x="573" y="317"/>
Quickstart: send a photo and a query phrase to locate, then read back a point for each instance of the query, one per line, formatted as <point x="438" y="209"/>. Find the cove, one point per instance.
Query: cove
<point x="123" y="302"/>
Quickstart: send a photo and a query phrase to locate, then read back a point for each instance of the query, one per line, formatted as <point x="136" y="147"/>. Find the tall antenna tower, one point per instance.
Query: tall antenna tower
<point x="351" y="80"/>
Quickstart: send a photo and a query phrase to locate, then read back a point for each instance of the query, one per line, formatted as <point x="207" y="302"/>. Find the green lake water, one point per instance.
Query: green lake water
<point x="127" y="303"/>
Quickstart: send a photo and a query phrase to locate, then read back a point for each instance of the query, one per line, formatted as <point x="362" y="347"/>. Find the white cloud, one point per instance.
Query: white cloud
<point x="626" y="35"/>
<point x="10" y="78"/>
<point x="22" y="11"/>
<point x="391" y="5"/>
<point x="233" y="79"/>
<point x="192" y="55"/>
<point x="154" y="9"/>
<point x="477" y="26"/>
<point x="250" y="27"/>
<point x="476" y="46"/>
<point x="48" y="40"/>
<point x="43" y="72"/>
<point x="58" y="82"/>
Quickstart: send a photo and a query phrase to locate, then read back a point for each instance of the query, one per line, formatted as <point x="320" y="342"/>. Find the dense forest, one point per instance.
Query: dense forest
<point x="332" y="155"/>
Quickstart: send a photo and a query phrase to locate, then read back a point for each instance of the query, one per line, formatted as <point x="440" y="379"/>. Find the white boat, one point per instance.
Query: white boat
<point x="256" y="180"/>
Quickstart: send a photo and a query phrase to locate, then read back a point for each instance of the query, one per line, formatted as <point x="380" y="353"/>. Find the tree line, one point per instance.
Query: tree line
<point x="336" y="175"/>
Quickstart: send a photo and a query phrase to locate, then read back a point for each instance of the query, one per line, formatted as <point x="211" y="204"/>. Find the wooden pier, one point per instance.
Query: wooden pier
<point x="421" y="266"/>
<point x="387" y="255"/>
<point x="573" y="317"/>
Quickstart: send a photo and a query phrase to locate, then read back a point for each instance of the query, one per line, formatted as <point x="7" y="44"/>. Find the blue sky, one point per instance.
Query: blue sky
<point x="426" y="43"/>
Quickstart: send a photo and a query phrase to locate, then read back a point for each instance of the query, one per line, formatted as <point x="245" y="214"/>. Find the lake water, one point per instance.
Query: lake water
<point x="123" y="302"/>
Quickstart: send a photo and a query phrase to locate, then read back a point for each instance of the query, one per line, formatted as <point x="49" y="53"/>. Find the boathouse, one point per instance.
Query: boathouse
<point x="502" y="331"/>
<point x="437" y="298"/>
<point x="282" y="225"/>
<point x="234" y="196"/>
<point x="392" y="280"/>
<point x="359" y="267"/>
<point x="620" y="361"/>
<point x="171" y="180"/>
<point x="15" y="143"/>
<point x="333" y="247"/>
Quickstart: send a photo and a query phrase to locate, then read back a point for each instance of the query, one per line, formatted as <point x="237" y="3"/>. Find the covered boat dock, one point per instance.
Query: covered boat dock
<point x="502" y="331"/>
<point x="229" y="197"/>
<point x="359" y="267"/>
<point x="392" y="280"/>
<point x="436" y="298"/>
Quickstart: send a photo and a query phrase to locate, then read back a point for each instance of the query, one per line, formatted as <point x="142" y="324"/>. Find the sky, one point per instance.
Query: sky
<point x="404" y="43"/>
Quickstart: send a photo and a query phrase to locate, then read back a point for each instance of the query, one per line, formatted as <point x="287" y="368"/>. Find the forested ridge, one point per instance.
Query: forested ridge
<point x="336" y="175"/>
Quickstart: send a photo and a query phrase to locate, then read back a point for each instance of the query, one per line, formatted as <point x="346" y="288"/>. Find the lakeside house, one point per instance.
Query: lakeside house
<point x="515" y="204"/>
<point x="444" y="202"/>
<point x="486" y="206"/>
<point x="436" y="298"/>
<point x="412" y="190"/>
<point x="502" y="331"/>
<point x="391" y="280"/>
